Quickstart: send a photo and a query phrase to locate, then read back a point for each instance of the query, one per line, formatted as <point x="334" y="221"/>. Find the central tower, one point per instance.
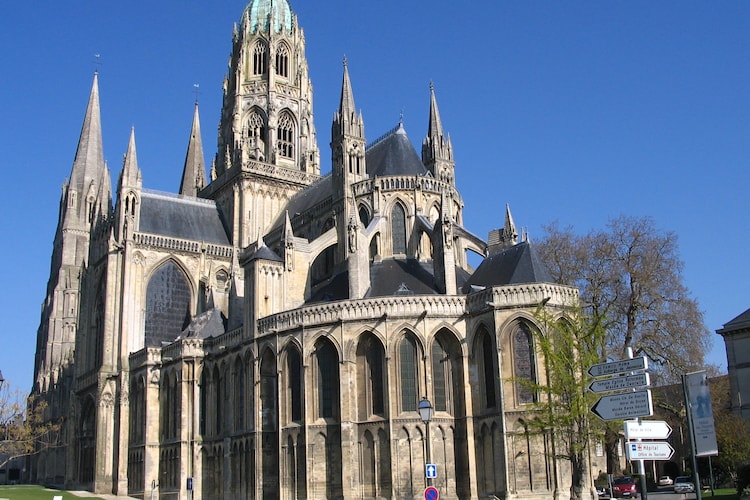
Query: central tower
<point x="267" y="147"/>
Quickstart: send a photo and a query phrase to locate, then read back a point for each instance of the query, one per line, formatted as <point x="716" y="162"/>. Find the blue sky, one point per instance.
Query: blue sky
<point x="568" y="111"/>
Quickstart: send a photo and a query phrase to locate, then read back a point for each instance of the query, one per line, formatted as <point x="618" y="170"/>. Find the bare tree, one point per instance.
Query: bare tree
<point x="24" y="428"/>
<point x="632" y="274"/>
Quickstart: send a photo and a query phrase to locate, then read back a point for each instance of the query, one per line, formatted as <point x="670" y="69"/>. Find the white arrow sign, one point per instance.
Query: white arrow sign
<point x="649" y="450"/>
<point x="431" y="471"/>
<point x="615" y="367"/>
<point x="620" y="383"/>
<point x="646" y="429"/>
<point x="624" y="405"/>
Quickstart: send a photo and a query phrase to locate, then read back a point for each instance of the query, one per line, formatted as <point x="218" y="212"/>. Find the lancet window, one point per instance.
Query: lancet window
<point x="285" y="132"/>
<point x="282" y="61"/>
<point x="260" y="59"/>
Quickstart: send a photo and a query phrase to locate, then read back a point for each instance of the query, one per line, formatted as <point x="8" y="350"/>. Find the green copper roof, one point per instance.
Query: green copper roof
<point x="260" y="13"/>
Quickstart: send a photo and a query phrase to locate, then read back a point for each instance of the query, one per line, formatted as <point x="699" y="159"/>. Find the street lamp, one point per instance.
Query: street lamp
<point x="425" y="413"/>
<point x="2" y="380"/>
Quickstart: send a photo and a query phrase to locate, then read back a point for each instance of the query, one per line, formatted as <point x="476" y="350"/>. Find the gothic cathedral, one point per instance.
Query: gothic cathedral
<point x="270" y="332"/>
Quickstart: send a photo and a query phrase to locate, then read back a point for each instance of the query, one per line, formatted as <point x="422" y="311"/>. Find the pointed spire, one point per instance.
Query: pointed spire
<point x="89" y="159"/>
<point x="131" y="174"/>
<point x="346" y="105"/>
<point x="435" y="126"/>
<point x="104" y="196"/>
<point x="509" y="229"/>
<point x="437" y="151"/>
<point x="194" y="173"/>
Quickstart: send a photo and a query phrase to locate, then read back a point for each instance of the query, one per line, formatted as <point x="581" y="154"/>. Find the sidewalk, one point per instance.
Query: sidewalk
<point x="88" y="494"/>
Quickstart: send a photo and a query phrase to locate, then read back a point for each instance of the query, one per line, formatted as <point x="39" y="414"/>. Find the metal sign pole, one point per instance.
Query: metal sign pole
<point x="691" y="431"/>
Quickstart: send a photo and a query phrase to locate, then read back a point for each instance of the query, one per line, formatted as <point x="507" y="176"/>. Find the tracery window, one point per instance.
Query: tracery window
<point x="440" y="377"/>
<point x="285" y="142"/>
<point x="398" y="229"/>
<point x="523" y="363"/>
<point x="485" y="359"/>
<point x="282" y="61"/>
<point x="168" y="298"/>
<point x="294" y="385"/>
<point x="328" y="380"/>
<point x="371" y="376"/>
<point x="260" y="59"/>
<point x="408" y="371"/>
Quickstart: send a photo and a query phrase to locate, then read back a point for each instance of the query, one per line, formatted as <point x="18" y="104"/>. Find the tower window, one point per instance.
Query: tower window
<point x="285" y="142"/>
<point x="282" y="61"/>
<point x="260" y="59"/>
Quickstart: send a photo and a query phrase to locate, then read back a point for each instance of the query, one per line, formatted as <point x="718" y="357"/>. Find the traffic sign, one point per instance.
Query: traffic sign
<point x="620" y="383"/>
<point x="649" y="450"/>
<point x="431" y="471"/>
<point x="646" y="429"/>
<point x="615" y="367"/>
<point x="624" y="405"/>
<point x="431" y="493"/>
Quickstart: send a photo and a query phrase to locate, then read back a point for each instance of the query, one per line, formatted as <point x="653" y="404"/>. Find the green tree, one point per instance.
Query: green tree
<point x="569" y="345"/>
<point x="24" y="428"/>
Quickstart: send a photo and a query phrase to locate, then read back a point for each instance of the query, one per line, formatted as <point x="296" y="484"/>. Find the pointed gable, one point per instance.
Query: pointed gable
<point x="394" y="154"/>
<point x="515" y="265"/>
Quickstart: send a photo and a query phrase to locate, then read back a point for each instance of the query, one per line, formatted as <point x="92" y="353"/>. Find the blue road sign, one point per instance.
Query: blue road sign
<point x="431" y="493"/>
<point x="431" y="471"/>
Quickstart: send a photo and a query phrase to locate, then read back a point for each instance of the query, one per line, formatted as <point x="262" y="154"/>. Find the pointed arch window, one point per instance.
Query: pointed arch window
<point x="260" y="58"/>
<point x="440" y="377"/>
<point x="398" y="229"/>
<point x="371" y="377"/>
<point x="282" y="61"/>
<point x="328" y="382"/>
<point x="168" y="299"/>
<point x="407" y="351"/>
<point x="294" y="385"/>
<point x="523" y="363"/>
<point x="485" y="359"/>
<point x="285" y="142"/>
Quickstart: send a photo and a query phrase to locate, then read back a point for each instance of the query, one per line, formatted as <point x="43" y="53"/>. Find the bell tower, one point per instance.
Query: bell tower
<point x="267" y="146"/>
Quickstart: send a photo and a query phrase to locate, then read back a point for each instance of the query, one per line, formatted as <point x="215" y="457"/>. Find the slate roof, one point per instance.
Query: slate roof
<point x="515" y="265"/>
<point x="307" y="198"/>
<point x="388" y="277"/>
<point x="207" y="324"/>
<point x="740" y="322"/>
<point x="394" y="154"/>
<point x="183" y="217"/>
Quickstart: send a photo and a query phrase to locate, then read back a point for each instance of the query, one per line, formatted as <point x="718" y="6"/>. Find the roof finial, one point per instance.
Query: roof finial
<point x="196" y="91"/>
<point x="346" y="62"/>
<point x="97" y="63"/>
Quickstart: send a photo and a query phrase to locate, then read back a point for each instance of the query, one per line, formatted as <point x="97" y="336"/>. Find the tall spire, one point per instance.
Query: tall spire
<point x="131" y="174"/>
<point x="194" y="173"/>
<point x="89" y="159"/>
<point x="435" y="127"/>
<point x="346" y="104"/>
<point x="437" y="151"/>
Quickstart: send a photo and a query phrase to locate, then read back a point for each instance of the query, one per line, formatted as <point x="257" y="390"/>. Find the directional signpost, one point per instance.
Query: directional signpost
<point x="617" y="367"/>
<point x="649" y="450"/>
<point x="646" y="429"/>
<point x="620" y="383"/>
<point x="624" y="405"/>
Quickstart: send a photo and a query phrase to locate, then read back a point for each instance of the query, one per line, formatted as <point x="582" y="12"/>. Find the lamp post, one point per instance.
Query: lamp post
<point x="2" y="380"/>
<point x="425" y="413"/>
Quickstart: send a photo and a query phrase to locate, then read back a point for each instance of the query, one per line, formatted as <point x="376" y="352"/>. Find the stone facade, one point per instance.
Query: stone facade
<point x="268" y="332"/>
<point x="736" y="334"/>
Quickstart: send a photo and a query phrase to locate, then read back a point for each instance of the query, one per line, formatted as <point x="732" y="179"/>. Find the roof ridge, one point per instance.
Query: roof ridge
<point x="385" y="136"/>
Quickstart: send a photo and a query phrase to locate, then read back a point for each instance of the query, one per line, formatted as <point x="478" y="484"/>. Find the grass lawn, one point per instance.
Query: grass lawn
<point x="724" y="494"/>
<point x="33" y="492"/>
